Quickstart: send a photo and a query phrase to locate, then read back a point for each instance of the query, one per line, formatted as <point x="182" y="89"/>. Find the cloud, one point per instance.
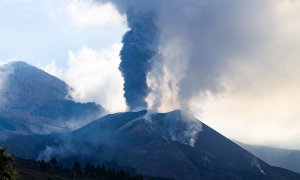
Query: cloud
<point x="95" y="77"/>
<point x="52" y="69"/>
<point x="89" y="14"/>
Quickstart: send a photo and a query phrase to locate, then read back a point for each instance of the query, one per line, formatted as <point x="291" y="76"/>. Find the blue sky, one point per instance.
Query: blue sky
<point x="43" y="31"/>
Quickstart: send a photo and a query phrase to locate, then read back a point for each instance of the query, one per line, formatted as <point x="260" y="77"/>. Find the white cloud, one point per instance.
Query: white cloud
<point x="94" y="75"/>
<point x="85" y="13"/>
<point x="52" y="69"/>
<point x="2" y="62"/>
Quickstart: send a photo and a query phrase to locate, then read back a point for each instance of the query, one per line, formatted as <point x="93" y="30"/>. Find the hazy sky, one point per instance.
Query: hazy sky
<point x="79" y="41"/>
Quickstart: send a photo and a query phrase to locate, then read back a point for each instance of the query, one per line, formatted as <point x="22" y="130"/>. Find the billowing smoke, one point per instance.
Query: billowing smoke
<point x="246" y="52"/>
<point x="140" y="44"/>
<point x="197" y="41"/>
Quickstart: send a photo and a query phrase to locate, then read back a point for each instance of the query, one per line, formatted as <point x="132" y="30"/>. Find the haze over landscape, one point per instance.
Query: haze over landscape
<point x="150" y="73"/>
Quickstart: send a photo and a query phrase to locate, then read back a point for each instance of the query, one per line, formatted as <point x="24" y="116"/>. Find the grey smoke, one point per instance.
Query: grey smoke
<point x="64" y="149"/>
<point x="256" y="164"/>
<point x="5" y="71"/>
<point x="198" y="40"/>
<point x="191" y="127"/>
<point x="180" y="126"/>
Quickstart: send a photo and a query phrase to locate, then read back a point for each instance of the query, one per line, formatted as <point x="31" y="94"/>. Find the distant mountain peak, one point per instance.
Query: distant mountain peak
<point x="17" y="64"/>
<point x="39" y="102"/>
<point x="31" y="83"/>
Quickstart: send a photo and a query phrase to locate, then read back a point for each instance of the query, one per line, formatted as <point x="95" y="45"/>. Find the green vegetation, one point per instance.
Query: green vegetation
<point x="6" y="170"/>
<point x="12" y="168"/>
<point x="52" y="170"/>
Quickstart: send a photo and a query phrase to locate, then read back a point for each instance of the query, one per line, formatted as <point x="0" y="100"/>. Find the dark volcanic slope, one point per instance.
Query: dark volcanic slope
<point x="165" y="145"/>
<point x="33" y="101"/>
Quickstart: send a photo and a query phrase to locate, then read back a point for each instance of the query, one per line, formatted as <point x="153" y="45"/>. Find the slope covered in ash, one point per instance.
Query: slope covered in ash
<point x="33" y="101"/>
<point x="169" y="145"/>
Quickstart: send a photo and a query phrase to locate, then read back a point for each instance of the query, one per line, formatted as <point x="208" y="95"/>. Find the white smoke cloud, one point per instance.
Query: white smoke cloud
<point x="162" y="81"/>
<point x="206" y="36"/>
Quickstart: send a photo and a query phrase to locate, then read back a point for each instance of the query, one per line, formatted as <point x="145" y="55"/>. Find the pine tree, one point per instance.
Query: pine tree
<point x="76" y="167"/>
<point x="43" y="165"/>
<point x="53" y="161"/>
<point x="88" y="170"/>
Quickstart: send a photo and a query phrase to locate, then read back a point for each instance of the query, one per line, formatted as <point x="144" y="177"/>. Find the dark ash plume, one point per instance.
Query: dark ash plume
<point x="139" y="47"/>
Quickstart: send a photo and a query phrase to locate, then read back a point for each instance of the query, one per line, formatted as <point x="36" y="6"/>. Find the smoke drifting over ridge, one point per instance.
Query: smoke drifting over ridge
<point x="4" y="73"/>
<point x="197" y="42"/>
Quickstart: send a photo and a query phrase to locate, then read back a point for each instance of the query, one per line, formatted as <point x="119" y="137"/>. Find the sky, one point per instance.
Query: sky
<point x="79" y="41"/>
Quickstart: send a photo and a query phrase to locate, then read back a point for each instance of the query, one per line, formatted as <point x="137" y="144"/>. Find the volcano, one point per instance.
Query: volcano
<point x="166" y="145"/>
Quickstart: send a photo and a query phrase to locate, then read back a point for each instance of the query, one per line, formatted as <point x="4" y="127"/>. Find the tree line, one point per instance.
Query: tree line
<point x="13" y="168"/>
<point x="90" y="171"/>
